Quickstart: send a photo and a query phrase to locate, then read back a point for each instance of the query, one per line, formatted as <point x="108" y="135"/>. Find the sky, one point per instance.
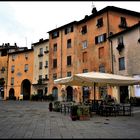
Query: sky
<point x="26" y="22"/>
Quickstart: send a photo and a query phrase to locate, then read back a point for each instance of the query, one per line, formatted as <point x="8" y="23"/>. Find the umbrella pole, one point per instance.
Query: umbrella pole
<point x="94" y="105"/>
<point x="94" y="91"/>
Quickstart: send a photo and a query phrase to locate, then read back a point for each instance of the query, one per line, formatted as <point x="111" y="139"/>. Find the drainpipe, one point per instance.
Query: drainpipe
<point x="112" y="65"/>
<point x="61" y="54"/>
<point x="110" y="44"/>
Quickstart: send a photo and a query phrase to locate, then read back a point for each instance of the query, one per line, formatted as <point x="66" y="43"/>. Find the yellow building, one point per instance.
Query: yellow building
<point x="5" y="48"/>
<point x="40" y="67"/>
<point x="20" y="74"/>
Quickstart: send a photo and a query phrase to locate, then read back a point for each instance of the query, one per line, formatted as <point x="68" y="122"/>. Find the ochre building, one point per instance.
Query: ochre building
<point x="83" y="46"/>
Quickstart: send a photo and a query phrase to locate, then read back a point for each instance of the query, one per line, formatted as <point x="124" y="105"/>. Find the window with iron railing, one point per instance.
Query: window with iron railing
<point x="41" y="52"/>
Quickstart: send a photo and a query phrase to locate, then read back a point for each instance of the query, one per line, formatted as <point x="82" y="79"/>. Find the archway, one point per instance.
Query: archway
<point x="123" y="94"/>
<point x="11" y="94"/>
<point x="55" y="93"/>
<point x="85" y="94"/>
<point x="26" y="89"/>
<point x="69" y="90"/>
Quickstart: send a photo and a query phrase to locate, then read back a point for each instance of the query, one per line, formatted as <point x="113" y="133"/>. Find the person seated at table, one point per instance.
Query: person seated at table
<point x="110" y="100"/>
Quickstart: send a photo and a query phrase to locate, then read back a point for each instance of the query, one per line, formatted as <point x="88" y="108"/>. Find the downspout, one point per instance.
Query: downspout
<point x="61" y="54"/>
<point x="112" y="65"/>
<point x="110" y="44"/>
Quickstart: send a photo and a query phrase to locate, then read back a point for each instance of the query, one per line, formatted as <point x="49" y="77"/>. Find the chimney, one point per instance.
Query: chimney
<point x="94" y="10"/>
<point x="40" y="40"/>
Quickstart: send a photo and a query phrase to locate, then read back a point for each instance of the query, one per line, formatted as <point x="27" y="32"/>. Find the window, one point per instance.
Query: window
<point x="123" y="23"/>
<point x="41" y="52"/>
<point x="54" y="76"/>
<point x="46" y="77"/>
<point x="26" y="56"/>
<point x="68" y="60"/>
<point x="84" y="57"/>
<point x="100" y="38"/>
<point x="40" y="65"/>
<point x="101" y="52"/>
<point x="54" y="63"/>
<point x="46" y="65"/>
<point x="102" y="68"/>
<point x="68" y="29"/>
<point x="69" y="43"/>
<point x="55" y="34"/>
<point x="13" y="57"/>
<point x="55" y="47"/>
<point x="121" y="63"/>
<point x="47" y="49"/>
<point x="12" y="81"/>
<point x="120" y="40"/>
<point x="68" y="73"/>
<point x="2" y="69"/>
<point x="12" y="68"/>
<point x="99" y="22"/>
<point x="26" y="67"/>
<point x="85" y="70"/>
<point x="84" y="44"/>
<point x="84" y="29"/>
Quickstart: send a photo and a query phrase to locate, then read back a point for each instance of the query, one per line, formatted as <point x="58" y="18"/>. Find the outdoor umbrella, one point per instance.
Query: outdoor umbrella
<point x="91" y="78"/>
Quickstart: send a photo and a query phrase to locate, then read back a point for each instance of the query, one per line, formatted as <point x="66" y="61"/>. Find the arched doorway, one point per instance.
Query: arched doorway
<point x="124" y="96"/>
<point x="26" y="89"/>
<point x="11" y="94"/>
<point x="55" y="93"/>
<point x="85" y="94"/>
<point x="69" y="90"/>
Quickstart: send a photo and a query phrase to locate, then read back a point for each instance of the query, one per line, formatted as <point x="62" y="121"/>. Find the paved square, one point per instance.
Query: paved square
<point x="29" y="119"/>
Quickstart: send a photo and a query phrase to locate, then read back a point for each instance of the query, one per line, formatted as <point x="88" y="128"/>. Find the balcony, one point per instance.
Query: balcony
<point x="120" y="47"/>
<point x="40" y="81"/>
<point x="46" y="66"/>
<point x="46" y="51"/>
<point x="40" y="55"/>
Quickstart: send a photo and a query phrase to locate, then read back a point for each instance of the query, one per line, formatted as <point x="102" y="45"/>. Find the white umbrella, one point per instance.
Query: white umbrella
<point x="91" y="78"/>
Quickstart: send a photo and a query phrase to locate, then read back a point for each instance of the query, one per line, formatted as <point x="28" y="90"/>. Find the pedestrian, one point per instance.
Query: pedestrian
<point x="50" y="106"/>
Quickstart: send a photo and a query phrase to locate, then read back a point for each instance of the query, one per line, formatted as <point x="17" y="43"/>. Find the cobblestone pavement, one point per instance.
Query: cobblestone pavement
<point x="28" y="119"/>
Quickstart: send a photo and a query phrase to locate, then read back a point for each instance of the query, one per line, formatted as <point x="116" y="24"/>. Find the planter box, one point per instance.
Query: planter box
<point x="84" y="117"/>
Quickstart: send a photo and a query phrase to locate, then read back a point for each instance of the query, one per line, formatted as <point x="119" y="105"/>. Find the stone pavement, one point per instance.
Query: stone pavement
<point x="32" y="120"/>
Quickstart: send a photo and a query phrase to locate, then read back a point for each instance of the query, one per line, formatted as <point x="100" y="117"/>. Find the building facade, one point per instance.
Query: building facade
<point x="40" y="67"/>
<point x="83" y="46"/>
<point x="20" y="74"/>
<point x="125" y="53"/>
<point x="5" y="48"/>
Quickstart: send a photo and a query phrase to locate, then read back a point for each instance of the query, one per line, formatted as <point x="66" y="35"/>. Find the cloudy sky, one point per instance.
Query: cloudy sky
<point x="25" y="23"/>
